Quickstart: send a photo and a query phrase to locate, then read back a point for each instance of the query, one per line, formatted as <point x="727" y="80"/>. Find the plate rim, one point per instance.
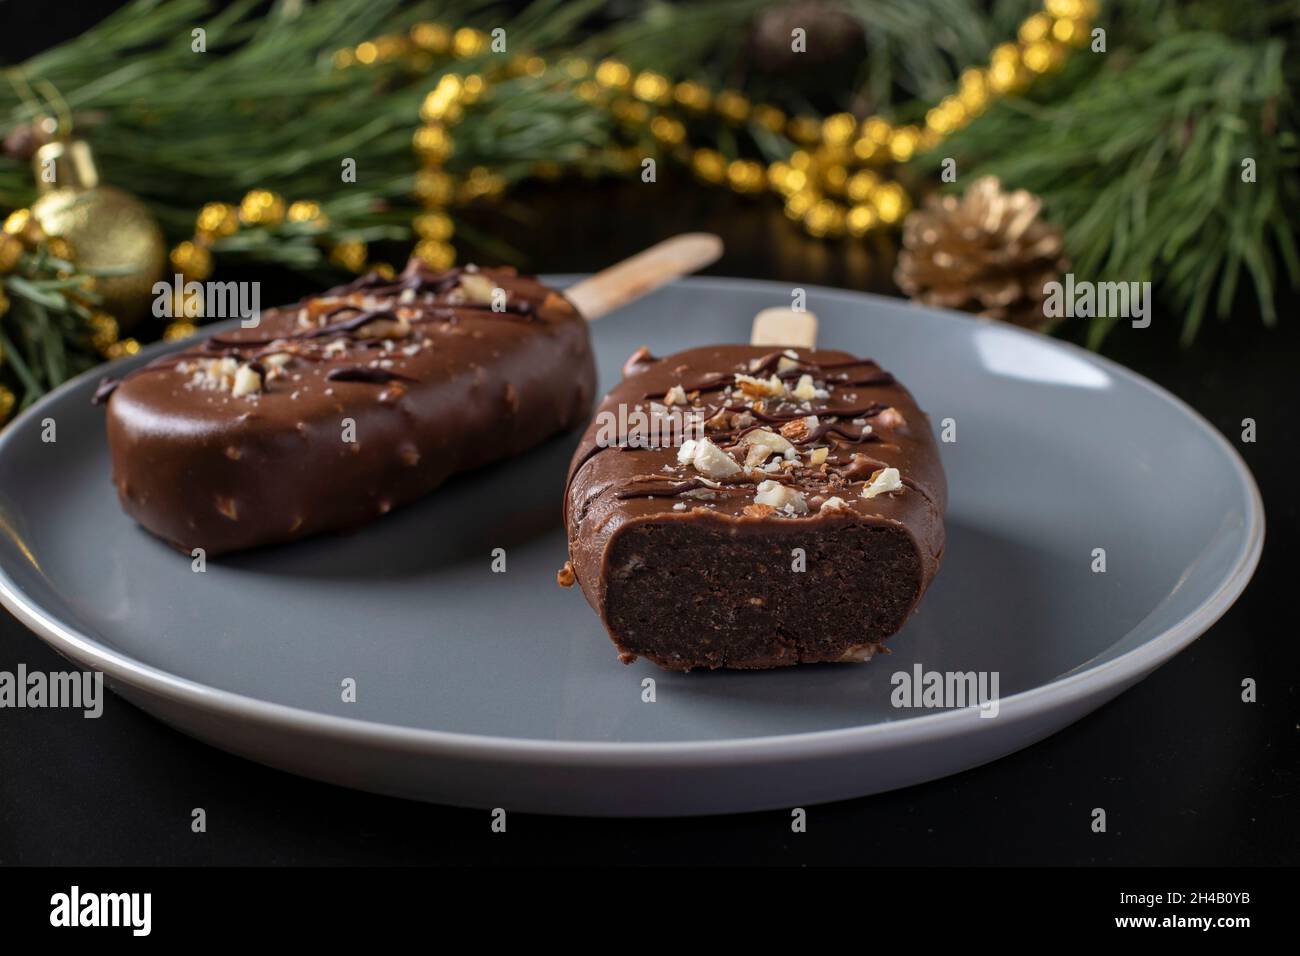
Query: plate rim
<point x="1071" y="687"/>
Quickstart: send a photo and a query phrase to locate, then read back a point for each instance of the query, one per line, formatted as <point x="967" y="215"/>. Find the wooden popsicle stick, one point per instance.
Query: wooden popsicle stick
<point x="778" y="326"/>
<point x="644" y="272"/>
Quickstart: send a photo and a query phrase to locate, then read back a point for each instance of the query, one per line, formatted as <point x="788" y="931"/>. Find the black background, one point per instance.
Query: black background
<point x="1188" y="773"/>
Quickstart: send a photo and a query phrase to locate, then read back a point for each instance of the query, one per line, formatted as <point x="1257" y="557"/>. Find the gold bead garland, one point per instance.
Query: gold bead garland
<point x="217" y="220"/>
<point x="814" y="180"/>
<point x="830" y="183"/>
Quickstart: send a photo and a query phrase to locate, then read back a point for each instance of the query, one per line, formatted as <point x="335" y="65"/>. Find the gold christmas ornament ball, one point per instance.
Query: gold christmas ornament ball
<point x="105" y="227"/>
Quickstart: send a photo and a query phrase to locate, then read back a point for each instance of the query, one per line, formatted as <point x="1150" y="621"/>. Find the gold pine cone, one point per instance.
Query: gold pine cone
<point x="987" y="252"/>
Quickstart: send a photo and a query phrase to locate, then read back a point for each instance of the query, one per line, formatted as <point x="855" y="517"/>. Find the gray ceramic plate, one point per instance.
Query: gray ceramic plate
<point x="502" y="690"/>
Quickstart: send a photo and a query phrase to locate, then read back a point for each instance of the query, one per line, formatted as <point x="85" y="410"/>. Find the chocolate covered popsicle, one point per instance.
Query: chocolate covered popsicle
<point x="356" y="401"/>
<point x="760" y="507"/>
<point x="351" y="403"/>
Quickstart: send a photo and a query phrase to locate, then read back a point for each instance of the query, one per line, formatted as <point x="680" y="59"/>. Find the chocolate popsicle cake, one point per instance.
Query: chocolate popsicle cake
<point x="352" y="402"/>
<point x="801" y="522"/>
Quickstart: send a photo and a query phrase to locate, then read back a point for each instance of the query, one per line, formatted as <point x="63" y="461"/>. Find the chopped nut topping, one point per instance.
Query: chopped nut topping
<point x="758" y="453"/>
<point x="765" y="436"/>
<point x="758" y="511"/>
<point x="565" y="577"/>
<point x="214" y="374"/>
<point x="247" y="382"/>
<point x="807" y="390"/>
<point x="760" y="388"/>
<point x="477" y="288"/>
<point x="781" y="497"/>
<point x="891" y="418"/>
<point x="396" y="328"/>
<point x="836" y="503"/>
<point x="882" y="481"/>
<point x="711" y="460"/>
<point x="799" y="428"/>
<point x="675" y="396"/>
<point x="817" y="456"/>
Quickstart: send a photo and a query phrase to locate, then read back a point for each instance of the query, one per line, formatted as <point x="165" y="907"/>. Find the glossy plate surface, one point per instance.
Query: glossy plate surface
<point x="501" y="689"/>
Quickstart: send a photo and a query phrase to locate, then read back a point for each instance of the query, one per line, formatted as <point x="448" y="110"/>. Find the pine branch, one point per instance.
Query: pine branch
<point x="1141" y="161"/>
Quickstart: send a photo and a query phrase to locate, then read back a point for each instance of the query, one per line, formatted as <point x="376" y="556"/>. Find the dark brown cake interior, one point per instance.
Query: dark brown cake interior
<point x="700" y="594"/>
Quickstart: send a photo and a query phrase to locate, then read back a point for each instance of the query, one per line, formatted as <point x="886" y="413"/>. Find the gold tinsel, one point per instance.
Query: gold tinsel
<point x="988" y="252"/>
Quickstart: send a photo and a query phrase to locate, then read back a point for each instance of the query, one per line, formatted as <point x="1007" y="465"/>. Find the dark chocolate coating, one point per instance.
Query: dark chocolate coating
<point x="684" y="569"/>
<point x="433" y="379"/>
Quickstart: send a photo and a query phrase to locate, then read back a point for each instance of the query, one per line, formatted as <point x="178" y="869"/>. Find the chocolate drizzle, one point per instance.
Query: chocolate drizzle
<point x="863" y="434"/>
<point x="677" y="488"/>
<point x="864" y="411"/>
<point x="347" y="328"/>
<point x="363" y="373"/>
<point x="416" y="277"/>
<point x="716" y="381"/>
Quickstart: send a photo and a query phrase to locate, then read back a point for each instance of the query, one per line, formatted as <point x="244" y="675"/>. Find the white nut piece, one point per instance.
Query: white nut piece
<point x="891" y="418"/>
<point x="781" y="497"/>
<point x="711" y="460"/>
<point x="477" y="288"/>
<point x="395" y="328"/>
<point x="765" y="436"/>
<point x="836" y="503"/>
<point x="883" y="481"/>
<point x="757" y="454"/>
<point x="247" y="382"/>
<point x="211" y="374"/>
<point x="758" y="387"/>
<point x="675" y="396"/>
<point x="686" y="453"/>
